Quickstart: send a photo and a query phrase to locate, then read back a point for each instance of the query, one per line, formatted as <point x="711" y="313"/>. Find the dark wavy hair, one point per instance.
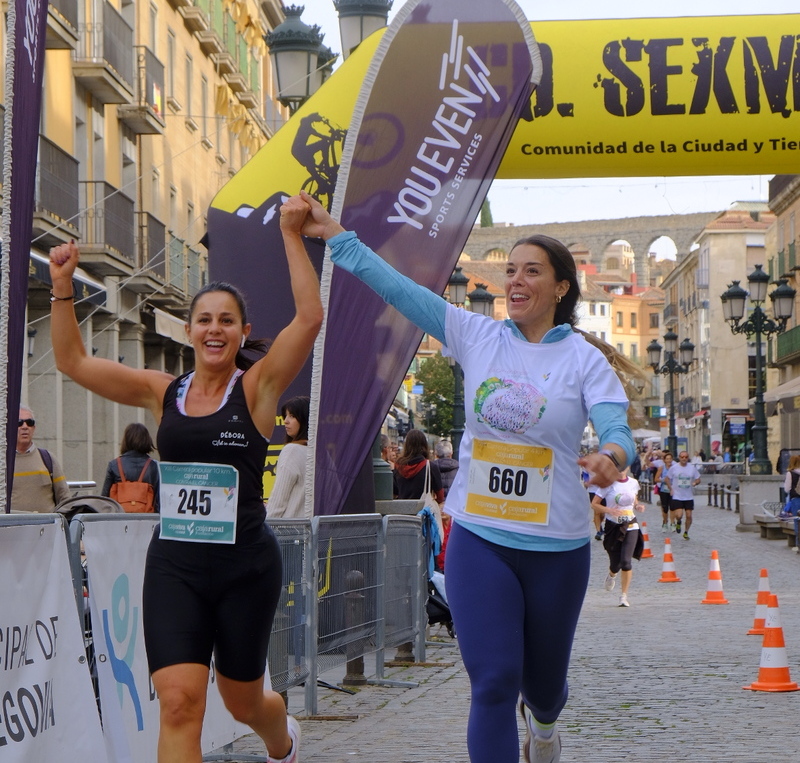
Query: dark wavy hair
<point x="414" y="446"/>
<point x="136" y="437"/>
<point x="253" y="349"/>
<point x="299" y="407"/>
<point x="564" y="266"/>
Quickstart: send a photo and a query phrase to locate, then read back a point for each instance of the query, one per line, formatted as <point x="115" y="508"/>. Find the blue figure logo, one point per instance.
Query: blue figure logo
<point x="125" y="620"/>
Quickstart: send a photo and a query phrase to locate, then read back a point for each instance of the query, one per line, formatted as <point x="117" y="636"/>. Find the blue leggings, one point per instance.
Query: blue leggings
<point x="515" y="613"/>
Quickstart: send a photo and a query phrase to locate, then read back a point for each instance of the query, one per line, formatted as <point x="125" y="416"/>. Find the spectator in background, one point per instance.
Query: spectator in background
<point x="39" y="481"/>
<point x="790" y="486"/>
<point x="388" y="451"/>
<point x="664" y="493"/>
<point x="448" y="466"/>
<point x="135" y="450"/>
<point x="288" y="496"/>
<point x="409" y="474"/>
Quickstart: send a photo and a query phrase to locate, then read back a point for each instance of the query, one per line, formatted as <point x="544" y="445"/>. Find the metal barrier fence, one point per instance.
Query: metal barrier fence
<point x="353" y="585"/>
<point x="723" y="497"/>
<point x="645" y="490"/>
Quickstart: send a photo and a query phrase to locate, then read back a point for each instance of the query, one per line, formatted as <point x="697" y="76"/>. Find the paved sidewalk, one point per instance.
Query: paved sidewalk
<point x="659" y="682"/>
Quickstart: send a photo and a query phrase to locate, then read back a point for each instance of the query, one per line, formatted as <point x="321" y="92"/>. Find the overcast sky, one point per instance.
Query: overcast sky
<point x="541" y="201"/>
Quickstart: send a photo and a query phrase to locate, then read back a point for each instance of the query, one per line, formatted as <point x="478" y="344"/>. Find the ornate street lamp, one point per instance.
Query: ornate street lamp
<point x="672" y="366"/>
<point x="358" y="19"/>
<point x="457" y="295"/>
<point x="758" y="324"/>
<point x="480" y="300"/>
<point x="299" y="58"/>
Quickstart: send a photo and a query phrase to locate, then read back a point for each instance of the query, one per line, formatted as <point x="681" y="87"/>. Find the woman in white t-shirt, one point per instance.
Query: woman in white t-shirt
<point x="519" y="550"/>
<point x="288" y="496"/>
<point x="623" y="539"/>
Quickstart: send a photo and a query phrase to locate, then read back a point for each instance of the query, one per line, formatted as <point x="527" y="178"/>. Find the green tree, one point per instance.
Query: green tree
<point x="486" y="215"/>
<point x="436" y="378"/>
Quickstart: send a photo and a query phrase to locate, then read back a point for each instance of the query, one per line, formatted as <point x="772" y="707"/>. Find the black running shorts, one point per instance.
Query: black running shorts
<point x="204" y="598"/>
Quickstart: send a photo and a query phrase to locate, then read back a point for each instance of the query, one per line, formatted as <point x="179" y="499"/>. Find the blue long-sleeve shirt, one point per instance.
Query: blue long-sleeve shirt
<point x="427" y="311"/>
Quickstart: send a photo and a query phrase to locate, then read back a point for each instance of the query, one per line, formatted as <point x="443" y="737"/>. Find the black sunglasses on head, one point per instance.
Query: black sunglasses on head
<point x="29" y="422"/>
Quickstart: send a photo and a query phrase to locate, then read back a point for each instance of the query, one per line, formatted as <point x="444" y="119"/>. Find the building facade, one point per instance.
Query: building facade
<point x="711" y="400"/>
<point x="783" y="403"/>
<point x="148" y="109"/>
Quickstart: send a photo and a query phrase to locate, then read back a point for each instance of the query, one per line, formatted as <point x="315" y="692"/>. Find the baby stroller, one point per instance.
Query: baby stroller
<point x="436" y="607"/>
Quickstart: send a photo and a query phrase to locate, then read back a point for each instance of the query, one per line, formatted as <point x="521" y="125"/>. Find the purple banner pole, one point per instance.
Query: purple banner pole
<point x="441" y="98"/>
<point x="25" y="58"/>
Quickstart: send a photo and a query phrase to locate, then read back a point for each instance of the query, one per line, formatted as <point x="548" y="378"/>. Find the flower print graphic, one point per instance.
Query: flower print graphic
<point x="508" y="405"/>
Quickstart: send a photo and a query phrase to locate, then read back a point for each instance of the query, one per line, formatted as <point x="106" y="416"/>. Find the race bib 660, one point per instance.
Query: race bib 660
<point x="510" y="482"/>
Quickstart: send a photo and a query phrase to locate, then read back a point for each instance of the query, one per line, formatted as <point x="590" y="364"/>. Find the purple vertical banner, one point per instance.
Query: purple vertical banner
<point x="444" y="92"/>
<point x="23" y="106"/>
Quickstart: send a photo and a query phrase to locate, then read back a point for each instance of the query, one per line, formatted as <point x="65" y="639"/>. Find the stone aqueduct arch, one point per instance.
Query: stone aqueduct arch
<point x="596" y="235"/>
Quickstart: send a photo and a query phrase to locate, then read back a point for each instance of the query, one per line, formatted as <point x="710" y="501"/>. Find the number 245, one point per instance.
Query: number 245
<point x="194" y="501"/>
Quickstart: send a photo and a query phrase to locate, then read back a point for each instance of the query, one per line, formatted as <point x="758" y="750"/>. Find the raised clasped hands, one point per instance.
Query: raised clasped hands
<point x="315" y="223"/>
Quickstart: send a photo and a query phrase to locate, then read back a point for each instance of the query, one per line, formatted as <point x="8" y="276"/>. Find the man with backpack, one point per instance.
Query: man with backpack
<point x="39" y="481"/>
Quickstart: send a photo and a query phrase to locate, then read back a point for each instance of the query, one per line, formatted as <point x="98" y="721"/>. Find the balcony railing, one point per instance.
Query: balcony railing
<point x="788" y="345"/>
<point x="56" y="198"/>
<point x="62" y="24"/>
<point x="176" y="264"/>
<point x="145" y="116"/>
<point x="104" y="61"/>
<point x="108" y="218"/>
<point x="194" y="272"/>
<point x="152" y="243"/>
<point x="670" y="311"/>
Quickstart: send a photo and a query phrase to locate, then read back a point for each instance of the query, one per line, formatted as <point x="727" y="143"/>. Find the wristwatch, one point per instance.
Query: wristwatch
<point x="612" y="456"/>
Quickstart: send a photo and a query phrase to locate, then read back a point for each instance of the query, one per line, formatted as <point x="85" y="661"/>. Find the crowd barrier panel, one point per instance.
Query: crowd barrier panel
<point x="47" y="701"/>
<point x="353" y="585"/>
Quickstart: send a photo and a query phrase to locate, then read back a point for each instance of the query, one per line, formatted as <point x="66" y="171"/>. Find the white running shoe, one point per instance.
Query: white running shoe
<point x="611" y="581"/>
<point x="294" y="735"/>
<point x="623" y="600"/>
<point x="537" y="750"/>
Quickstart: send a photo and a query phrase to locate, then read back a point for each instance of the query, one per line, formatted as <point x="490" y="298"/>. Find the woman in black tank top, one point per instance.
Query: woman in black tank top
<point x="219" y="594"/>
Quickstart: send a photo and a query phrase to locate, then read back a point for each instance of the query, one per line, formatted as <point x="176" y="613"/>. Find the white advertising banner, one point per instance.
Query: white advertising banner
<point x="115" y="554"/>
<point x="47" y="704"/>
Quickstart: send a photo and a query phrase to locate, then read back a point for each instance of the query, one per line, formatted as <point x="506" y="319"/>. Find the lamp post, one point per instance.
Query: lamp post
<point x="758" y="324"/>
<point x="671" y="367"/>
<point x="480" y="300"/>
<point x="299" y="57"/>
<point x="457" y="295"/>
<point x="358" y="19"/>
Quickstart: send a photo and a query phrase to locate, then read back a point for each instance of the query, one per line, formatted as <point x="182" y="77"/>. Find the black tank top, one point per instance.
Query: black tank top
<point x="227" y="436"/>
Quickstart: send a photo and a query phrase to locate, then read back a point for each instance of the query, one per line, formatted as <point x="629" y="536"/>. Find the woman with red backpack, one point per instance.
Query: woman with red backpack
<point x="132" y="477"/>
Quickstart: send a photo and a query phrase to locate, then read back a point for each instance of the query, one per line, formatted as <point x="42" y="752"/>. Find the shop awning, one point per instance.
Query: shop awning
<point x="787" y="394"/>
<point x="87" y="288"/>
<point x="171" y="327"/>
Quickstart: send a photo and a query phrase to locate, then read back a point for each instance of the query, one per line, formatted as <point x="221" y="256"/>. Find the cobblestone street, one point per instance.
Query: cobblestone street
<point x="659" y="682"/>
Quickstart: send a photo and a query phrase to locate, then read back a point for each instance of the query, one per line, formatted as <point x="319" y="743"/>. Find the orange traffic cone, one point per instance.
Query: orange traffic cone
<point x="773" y="673"/>
<point x="714" y="593"/>
<point x="668" y="569"/>
<point x="762" y="601"/>
<point x="647" y="552"/>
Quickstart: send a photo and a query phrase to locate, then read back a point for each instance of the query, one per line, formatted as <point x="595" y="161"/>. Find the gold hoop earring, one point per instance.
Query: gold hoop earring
<point x="558" y="298"/>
